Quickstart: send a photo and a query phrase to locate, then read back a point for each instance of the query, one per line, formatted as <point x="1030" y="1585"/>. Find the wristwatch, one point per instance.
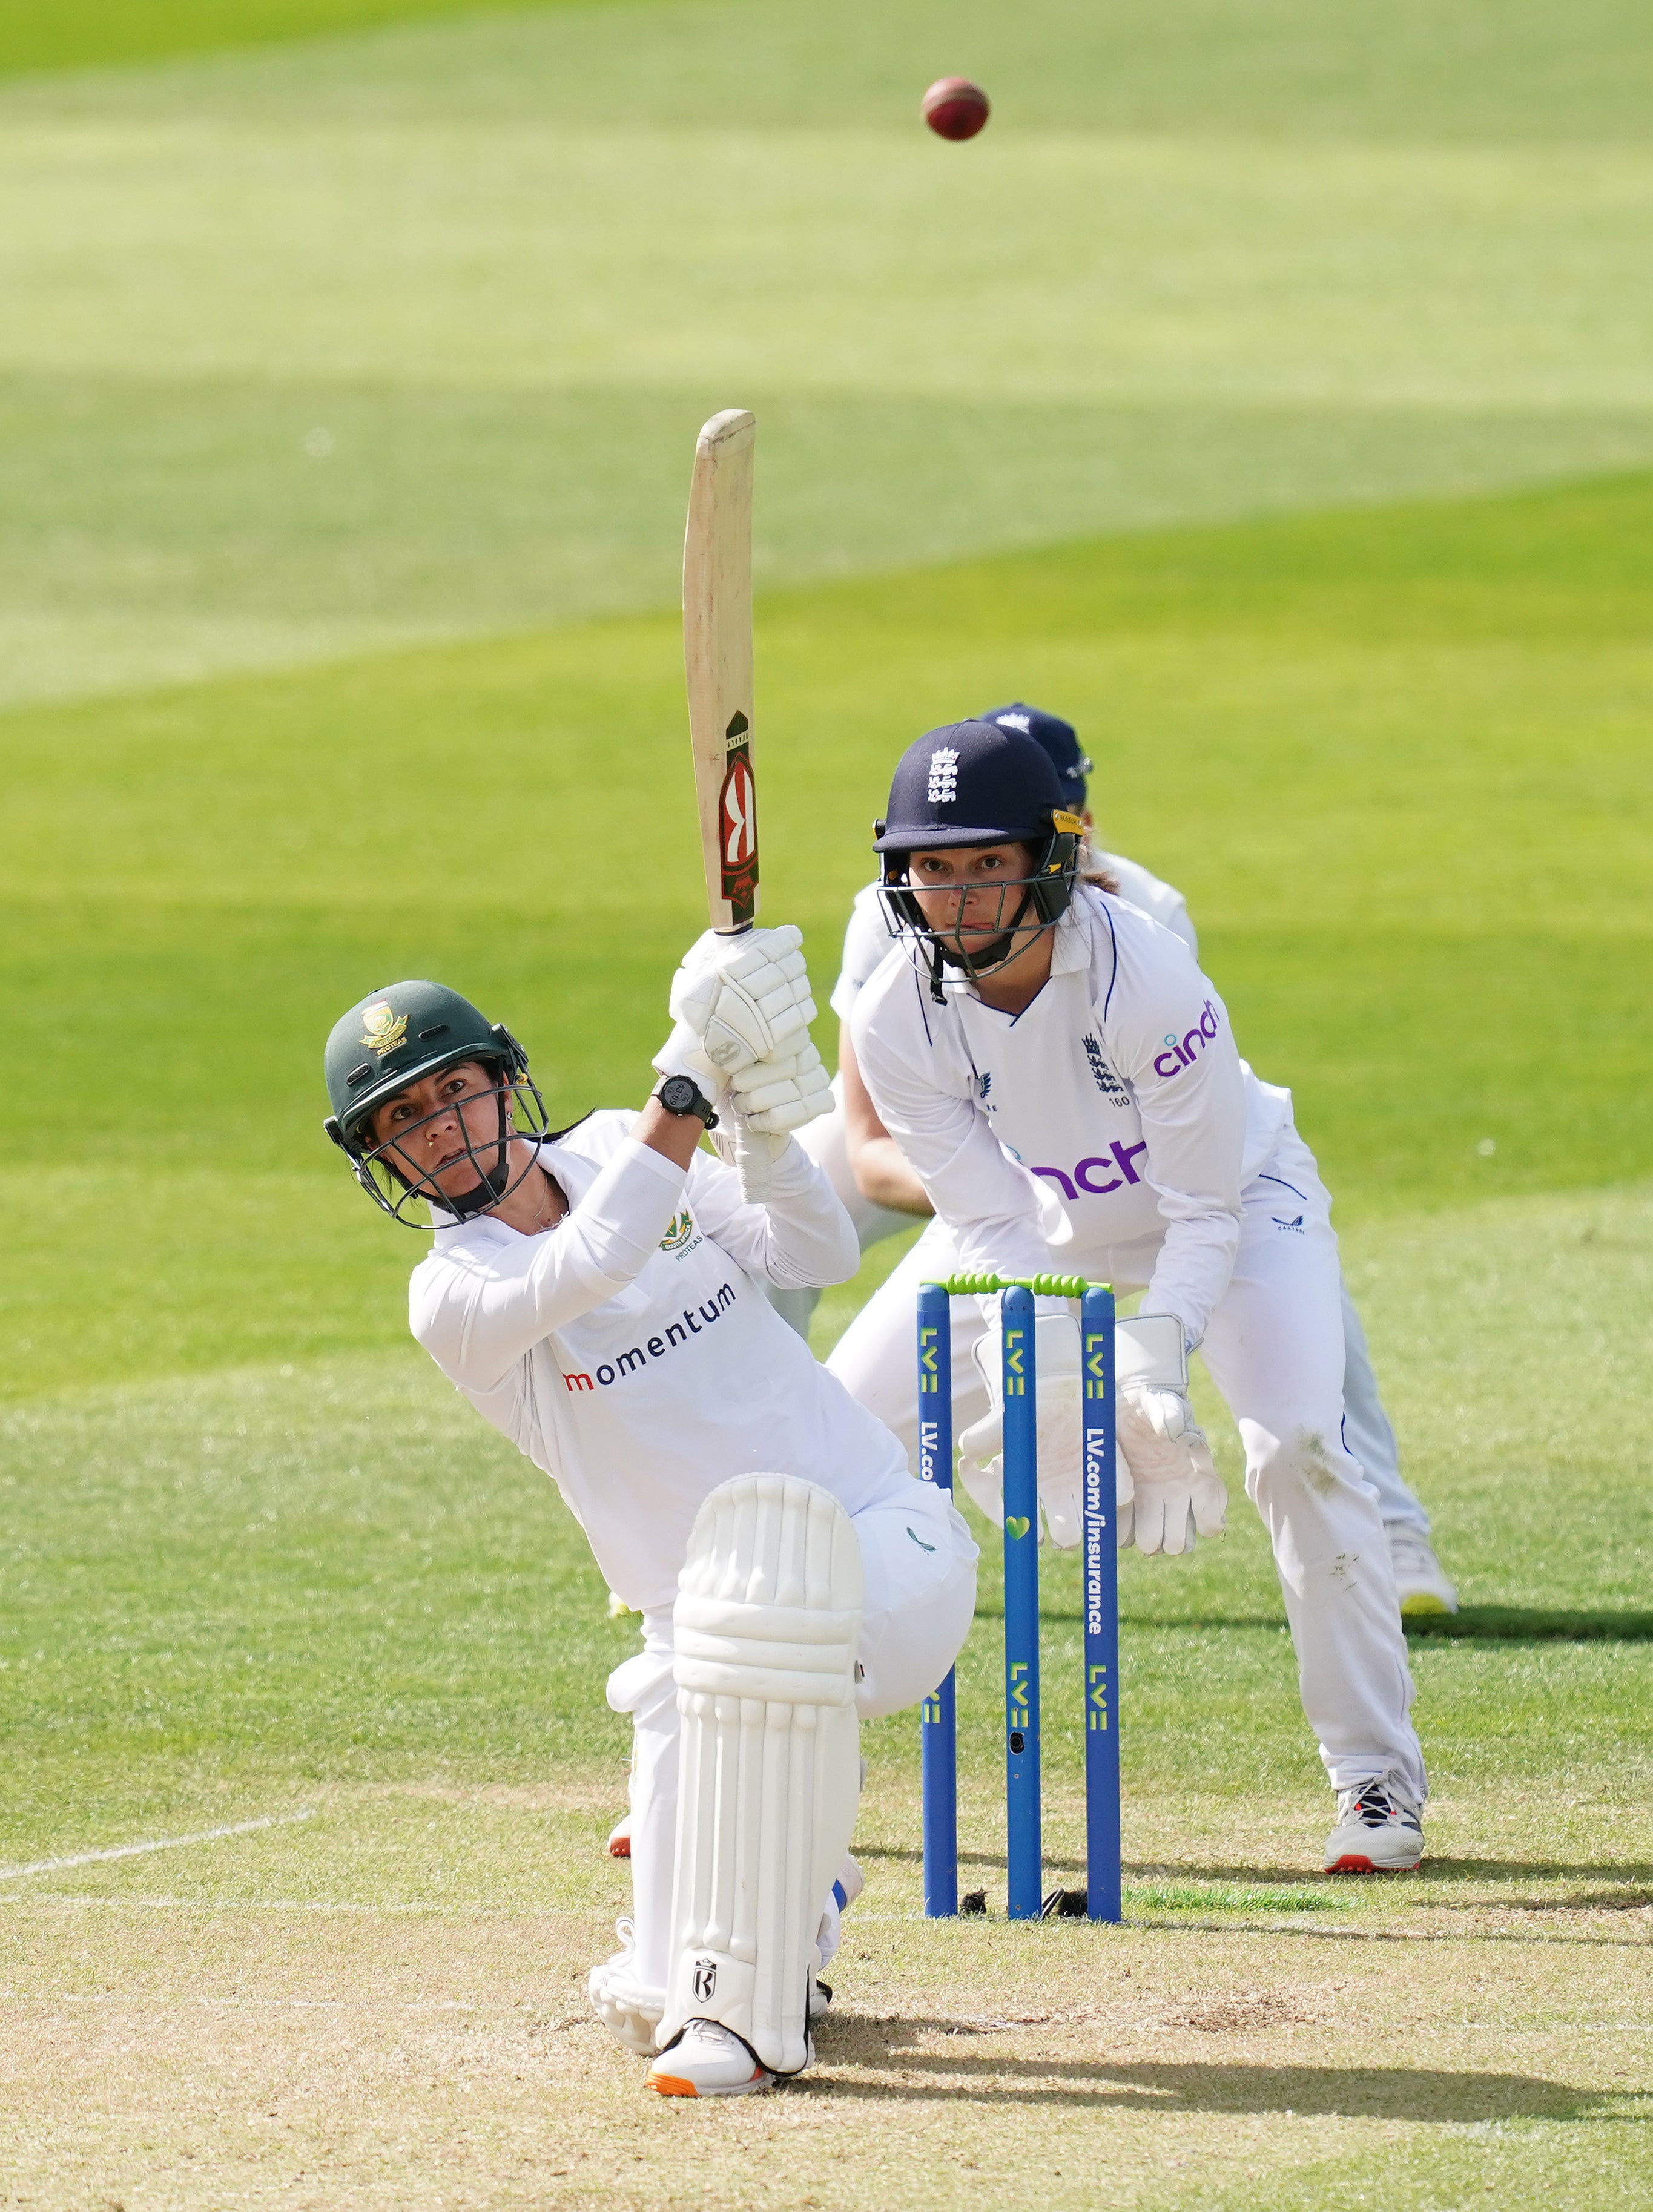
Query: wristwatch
<point x="681" y="1094"/>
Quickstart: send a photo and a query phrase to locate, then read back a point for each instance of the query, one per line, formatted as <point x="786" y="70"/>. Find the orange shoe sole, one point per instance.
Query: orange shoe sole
<point x="1350" y="1864"/>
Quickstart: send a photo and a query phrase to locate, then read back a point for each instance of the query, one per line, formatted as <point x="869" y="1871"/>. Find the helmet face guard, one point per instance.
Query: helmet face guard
<point x="395" y="1182"/>
<point x="398" y="1038"/>
<point x="1027" y="906"/>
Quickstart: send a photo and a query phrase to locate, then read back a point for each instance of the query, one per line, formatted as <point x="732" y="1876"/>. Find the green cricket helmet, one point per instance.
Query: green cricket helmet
<point x="395" y="1037"/>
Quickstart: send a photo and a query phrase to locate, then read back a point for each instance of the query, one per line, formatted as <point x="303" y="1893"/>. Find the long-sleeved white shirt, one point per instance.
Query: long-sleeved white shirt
<point x="1107" y="1130"/>
<point x="630" y="1352"/>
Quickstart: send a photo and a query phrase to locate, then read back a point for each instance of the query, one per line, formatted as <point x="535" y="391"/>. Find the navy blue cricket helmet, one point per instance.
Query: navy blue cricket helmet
<point x="979" y="783"/>
<point x="1059" y="739"/>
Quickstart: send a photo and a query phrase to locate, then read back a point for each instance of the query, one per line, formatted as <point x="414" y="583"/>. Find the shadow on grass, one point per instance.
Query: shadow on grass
<point x="1521" y="1624"/>
<point x="1473" y="1624"/>
<point x="1394" y="2093"/>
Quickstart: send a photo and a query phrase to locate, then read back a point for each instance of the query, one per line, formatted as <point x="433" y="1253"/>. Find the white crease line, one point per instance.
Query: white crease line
<point x="159" y="1843"/>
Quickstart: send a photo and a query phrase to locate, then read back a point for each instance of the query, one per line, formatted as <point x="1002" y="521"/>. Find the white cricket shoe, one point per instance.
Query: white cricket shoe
<point x="626" y="2006"/>
<point x="708" y="2061"/>
<point x="1379" y="1830"/>
<point x="1420" y="1583"/>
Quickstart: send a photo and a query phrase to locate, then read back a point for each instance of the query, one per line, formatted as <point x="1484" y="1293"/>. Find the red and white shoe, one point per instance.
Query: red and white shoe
<point x="708" y="2061"/>
<point x="619" y="1842"/>
<point x="1379" y="1830"/>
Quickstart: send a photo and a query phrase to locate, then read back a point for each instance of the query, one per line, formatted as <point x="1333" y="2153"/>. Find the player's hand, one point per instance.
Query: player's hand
<point x="781" y="1092"/>
<point x="1178" y="1494"/>
<point x="746" y="998"/>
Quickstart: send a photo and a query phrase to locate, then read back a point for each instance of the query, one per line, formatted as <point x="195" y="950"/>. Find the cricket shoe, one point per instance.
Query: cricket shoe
<point x="627" y="2008"/>
<point x="619" y="1842"/>
<point x="1419" y="1582"/>
<point x="1379" y="1828"/>
<point x="708" y="2061"/>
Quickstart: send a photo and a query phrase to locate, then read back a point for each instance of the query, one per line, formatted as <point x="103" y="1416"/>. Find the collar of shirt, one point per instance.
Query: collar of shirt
<point x="574" y="1173"/>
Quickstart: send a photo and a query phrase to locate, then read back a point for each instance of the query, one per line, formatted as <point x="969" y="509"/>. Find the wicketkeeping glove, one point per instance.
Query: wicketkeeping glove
<point x="1061" y="1448"/>
<point x="1179" y="1495"/>
<point x="746" y="998"/>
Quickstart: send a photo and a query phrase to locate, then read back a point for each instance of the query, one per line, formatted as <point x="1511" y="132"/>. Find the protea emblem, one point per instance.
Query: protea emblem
<point x="382" y="1028"/>
<point x="680" y="1229"/>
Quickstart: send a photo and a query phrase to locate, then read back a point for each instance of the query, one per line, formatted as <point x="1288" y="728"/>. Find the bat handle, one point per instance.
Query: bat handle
<point x="755" y="1157"/>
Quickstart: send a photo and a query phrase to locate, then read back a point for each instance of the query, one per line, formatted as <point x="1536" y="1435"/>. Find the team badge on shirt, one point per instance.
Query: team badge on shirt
<point x="679" y="1231"/>
<point x="383" y="1028"/>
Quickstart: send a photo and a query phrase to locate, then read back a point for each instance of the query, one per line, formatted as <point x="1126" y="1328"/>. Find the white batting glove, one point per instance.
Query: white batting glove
<point x="747" y="997"/>
<point x="1060" y="1441"/>
<point x="1179" y="1495"/>
<point x="783" y="1091"/>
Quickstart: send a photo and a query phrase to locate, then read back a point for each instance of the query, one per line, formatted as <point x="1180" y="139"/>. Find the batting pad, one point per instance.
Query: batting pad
<point x="765" y="1629"/>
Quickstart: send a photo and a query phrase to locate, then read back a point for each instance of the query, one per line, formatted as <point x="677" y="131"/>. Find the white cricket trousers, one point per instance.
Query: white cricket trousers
<point x="918" y="1566"/>
<point x="1274" y="1348"/>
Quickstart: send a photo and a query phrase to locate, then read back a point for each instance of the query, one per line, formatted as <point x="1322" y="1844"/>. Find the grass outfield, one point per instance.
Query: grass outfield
<point x="329" y="345"/>
<point x="260" y="1563"/>
<point x="346" y="393"/>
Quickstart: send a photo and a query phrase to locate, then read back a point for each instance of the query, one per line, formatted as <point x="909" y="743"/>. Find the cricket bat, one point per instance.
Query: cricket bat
<point x="717" y="653"/>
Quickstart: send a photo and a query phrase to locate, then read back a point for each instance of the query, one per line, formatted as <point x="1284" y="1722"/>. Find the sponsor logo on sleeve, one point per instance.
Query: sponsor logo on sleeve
<point x="1181" y="1052"/>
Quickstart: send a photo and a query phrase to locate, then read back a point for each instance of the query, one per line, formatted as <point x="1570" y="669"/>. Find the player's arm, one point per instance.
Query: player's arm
<point x="990" y="1202"/>
<point x="1191" y="1096"/>
<point x="798" y="1237"/>
<point x="478" y="1310"/>
<point x="881" y="1170"/>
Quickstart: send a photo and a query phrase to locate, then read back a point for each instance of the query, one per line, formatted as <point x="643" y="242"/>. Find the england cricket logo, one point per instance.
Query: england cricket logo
<point x="737" y="822"/>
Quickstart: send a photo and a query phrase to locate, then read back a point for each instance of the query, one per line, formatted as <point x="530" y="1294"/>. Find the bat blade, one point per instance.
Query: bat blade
<point x="717" y="647"/>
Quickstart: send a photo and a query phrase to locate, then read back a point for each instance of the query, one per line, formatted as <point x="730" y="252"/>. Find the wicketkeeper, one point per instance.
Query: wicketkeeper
<point x="1065" y="1081"/>
<point x="598" y="1294"/>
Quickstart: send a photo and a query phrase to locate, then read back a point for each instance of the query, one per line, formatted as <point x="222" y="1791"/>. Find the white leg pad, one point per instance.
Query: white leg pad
<point x="765" y="1630"/>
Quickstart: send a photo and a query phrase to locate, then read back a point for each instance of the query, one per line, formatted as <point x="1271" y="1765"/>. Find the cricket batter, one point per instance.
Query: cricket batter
<point x="1064" y="1080"/>
<point x="598" y="1293"/>
<point x="881" y="1195"/>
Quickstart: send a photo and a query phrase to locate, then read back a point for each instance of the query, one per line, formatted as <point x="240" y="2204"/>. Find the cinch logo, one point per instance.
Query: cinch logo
<point x="1181" y="1054"/>
<point x="1083" y="1177"/>
<point x="710" y="1309"/>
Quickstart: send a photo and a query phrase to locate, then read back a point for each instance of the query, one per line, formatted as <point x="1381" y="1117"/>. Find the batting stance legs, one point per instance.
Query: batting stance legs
<point x="793" y="1620"/>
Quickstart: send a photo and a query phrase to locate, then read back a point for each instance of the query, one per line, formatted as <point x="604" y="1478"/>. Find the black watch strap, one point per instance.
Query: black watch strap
<point x="681" y="1094"/>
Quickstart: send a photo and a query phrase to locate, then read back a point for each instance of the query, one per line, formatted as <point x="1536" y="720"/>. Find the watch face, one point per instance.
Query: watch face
<point x="678" y="1094"/>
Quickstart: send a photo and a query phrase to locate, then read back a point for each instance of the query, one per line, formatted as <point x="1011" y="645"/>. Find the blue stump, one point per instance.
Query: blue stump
<point x="1021" y="1491"/>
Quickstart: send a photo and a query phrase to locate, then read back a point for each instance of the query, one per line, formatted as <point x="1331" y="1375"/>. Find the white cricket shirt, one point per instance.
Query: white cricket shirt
<point x="1107" y="1130"/>
<point x="631" y="1353"/>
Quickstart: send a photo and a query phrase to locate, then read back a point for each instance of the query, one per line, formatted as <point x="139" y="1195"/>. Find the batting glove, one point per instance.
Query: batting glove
<point x="747" y="997"/>
<point x="782" y="1091"/>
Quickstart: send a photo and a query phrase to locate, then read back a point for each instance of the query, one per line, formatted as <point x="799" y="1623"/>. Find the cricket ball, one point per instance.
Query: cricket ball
<point x="954" y="107"/>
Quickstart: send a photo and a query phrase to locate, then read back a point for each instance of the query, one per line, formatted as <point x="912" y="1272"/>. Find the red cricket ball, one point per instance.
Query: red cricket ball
<point x="954" y="107"/>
